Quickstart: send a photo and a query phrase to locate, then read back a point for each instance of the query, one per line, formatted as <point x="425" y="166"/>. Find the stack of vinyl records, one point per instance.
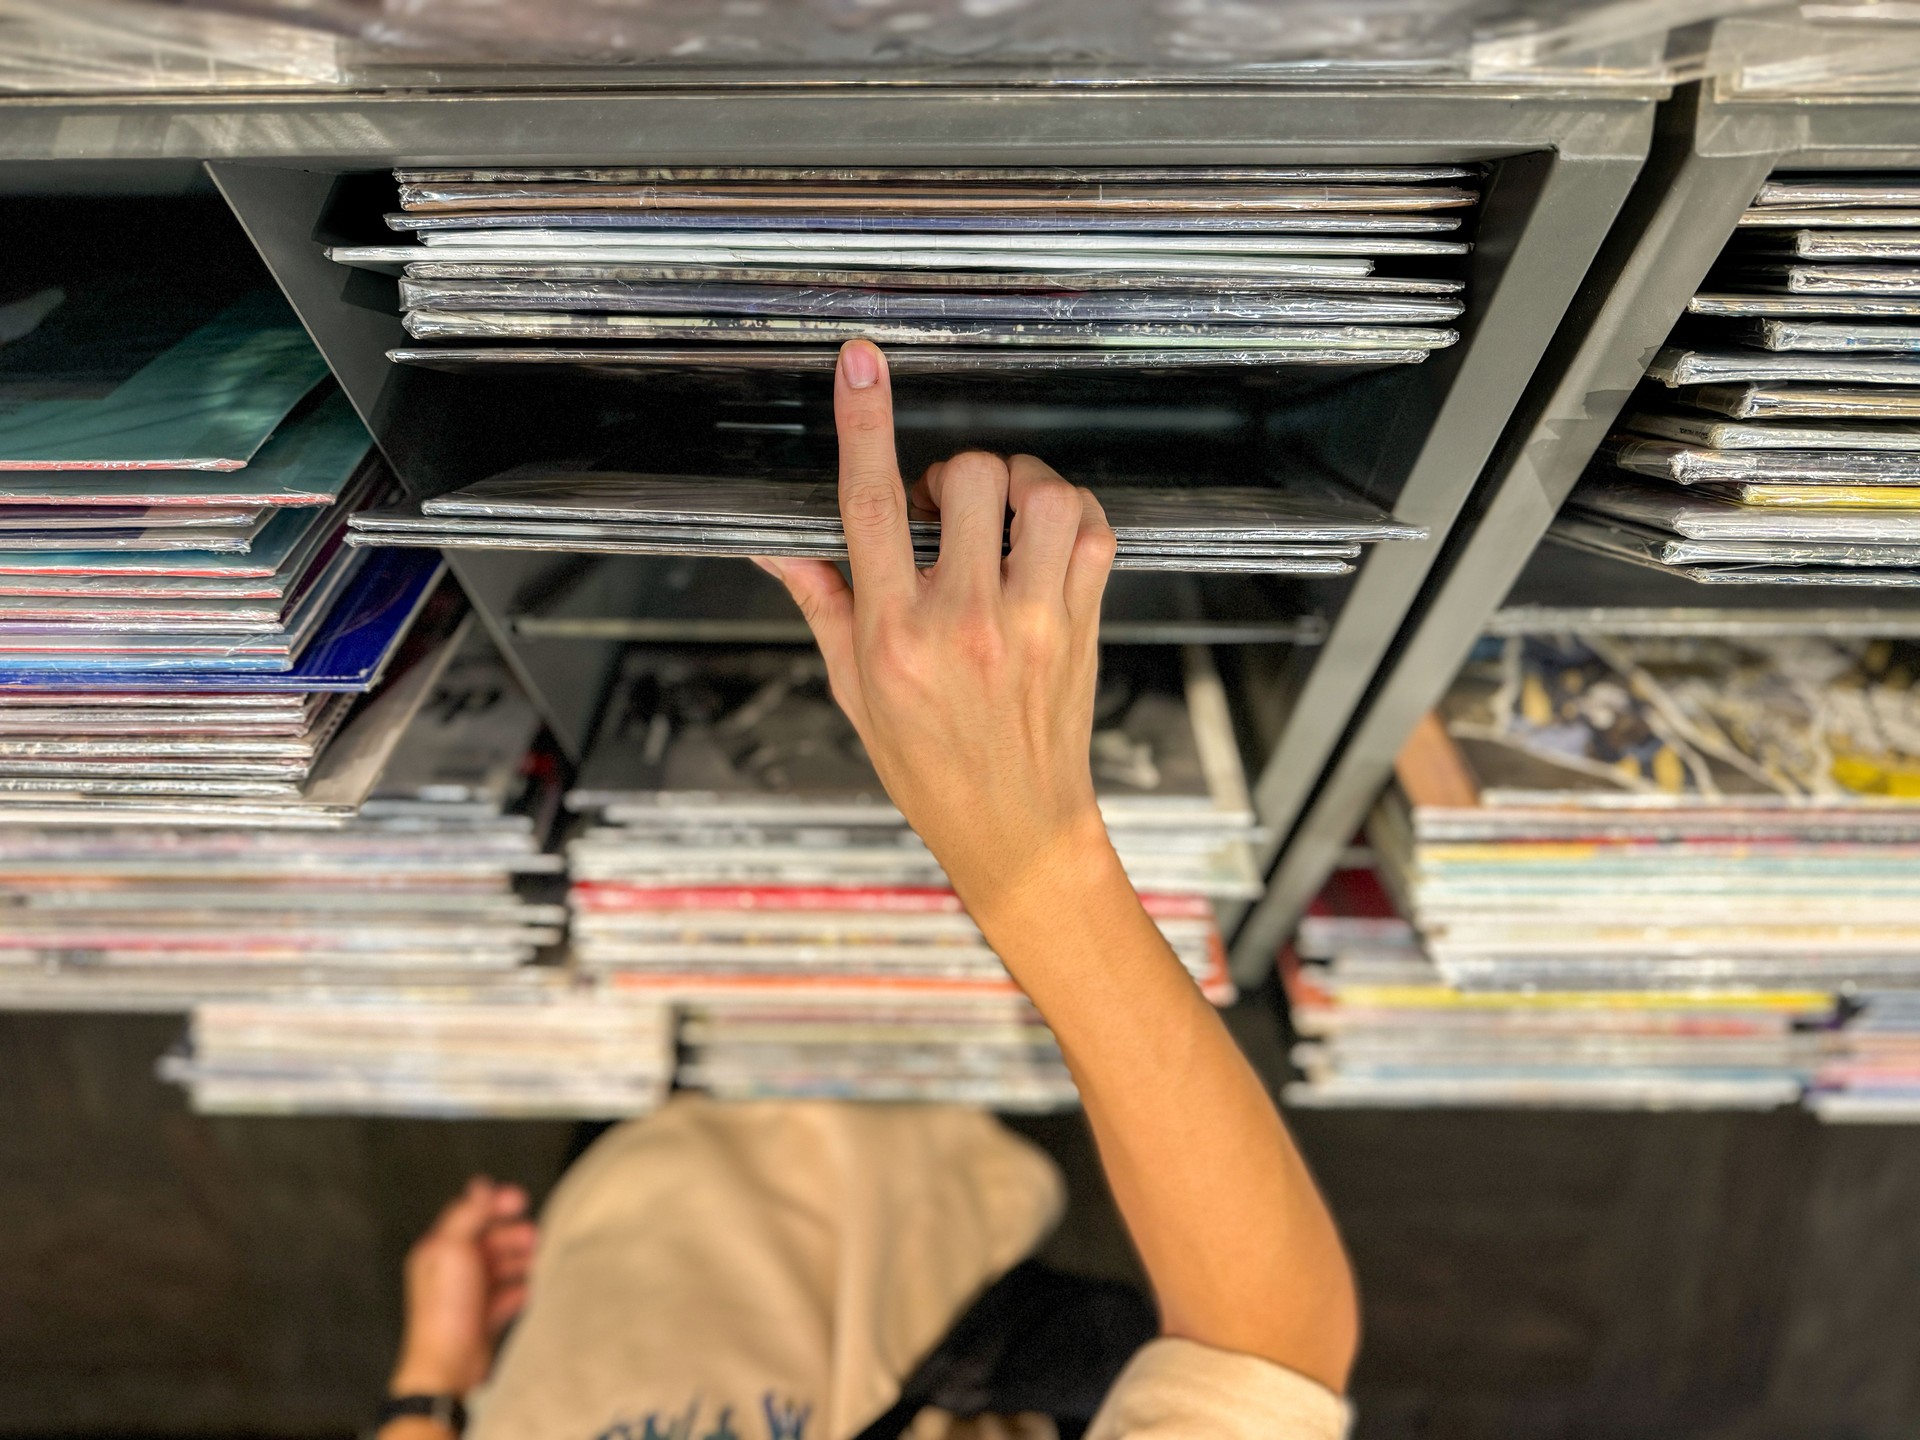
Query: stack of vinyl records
<point x="1875" y="1074"/>
<point x="1778" y="441"/>
<point x="183" y="632"/>
<point x="971" y="270"/>
<point x="559" y="1056"/>
<point x="1719" y="823"/>
<point x="741" y="858"/>
<point x="1306" y="528"/>
<point x="1381" y="1025"/>
<point x="414" y="900"/>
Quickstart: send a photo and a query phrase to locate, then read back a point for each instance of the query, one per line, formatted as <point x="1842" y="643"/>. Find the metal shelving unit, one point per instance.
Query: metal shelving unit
<point x="1709" y="157"/>
<point x="301" y="171"/>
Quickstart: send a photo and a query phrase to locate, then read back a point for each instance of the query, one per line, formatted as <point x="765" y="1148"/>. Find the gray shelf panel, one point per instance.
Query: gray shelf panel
<point x="1568" y="591"/>
<point x="1551" y="217"/>
<point x="1708" y="160"/>
<point x="799" y="124"/>
<point x="282" y="210"/>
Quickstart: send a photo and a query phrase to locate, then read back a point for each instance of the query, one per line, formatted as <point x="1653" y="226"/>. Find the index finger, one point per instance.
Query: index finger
<point x="873" y="503"/>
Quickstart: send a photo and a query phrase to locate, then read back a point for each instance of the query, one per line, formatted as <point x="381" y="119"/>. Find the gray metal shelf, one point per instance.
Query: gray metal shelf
<point x="1170" y="123"/>
<point x="1708" y="159"/>
<point x="1561" y="166"/>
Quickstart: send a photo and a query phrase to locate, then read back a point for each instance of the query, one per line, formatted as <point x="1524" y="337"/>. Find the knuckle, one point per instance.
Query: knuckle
<point x="974" y="467"/>
<point x="1098" y="544"/>
<point x="1038" y="623"/>
<point x="1037" y="471"/>
<point x="979" y="639"/>
<point x="871" y="504"/>
<point x="1053" y="500"/>
<point x="866" y="418"/>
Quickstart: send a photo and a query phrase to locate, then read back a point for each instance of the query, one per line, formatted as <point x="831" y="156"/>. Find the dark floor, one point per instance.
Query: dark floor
<point x="1573" y="1276"/>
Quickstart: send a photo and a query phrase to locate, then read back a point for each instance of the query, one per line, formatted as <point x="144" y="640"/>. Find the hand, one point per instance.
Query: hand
<point x="466" y="1279"/>
<point x="971" y="683"/>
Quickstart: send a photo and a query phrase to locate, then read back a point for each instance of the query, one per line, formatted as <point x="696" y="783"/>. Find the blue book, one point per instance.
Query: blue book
<point x="348" y="654"/>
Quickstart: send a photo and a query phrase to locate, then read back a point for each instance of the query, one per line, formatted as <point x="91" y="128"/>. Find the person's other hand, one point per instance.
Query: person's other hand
<point x="971" y="683"/>
<point x="466" y="1279"/>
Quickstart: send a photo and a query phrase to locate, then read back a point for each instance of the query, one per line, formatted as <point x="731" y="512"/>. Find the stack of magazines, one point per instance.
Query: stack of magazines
<point x="553" y="1055"/>
<point x="442" y="1005"/>
<point x="968" y="270"/>
<point x="987" y="1050"/>
<point x="1379" y="1024"/>
<point x="1633" y="826"/>
<point x="1309" y="527"/>
<point x="1778" y="439"/>
<point x="739" y="856"/>
<point x="415" y="899"/>
<point x="1875" y="1074"/>
<point x="183" y="632"/>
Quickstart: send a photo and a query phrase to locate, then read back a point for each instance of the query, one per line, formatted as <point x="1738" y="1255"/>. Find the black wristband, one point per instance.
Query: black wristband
<point x="447" y="1409"/>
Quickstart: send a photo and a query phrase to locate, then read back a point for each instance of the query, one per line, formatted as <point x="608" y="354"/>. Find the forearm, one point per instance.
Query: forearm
<point x="973" y="685"/>
<point x="1234" y="1235"/>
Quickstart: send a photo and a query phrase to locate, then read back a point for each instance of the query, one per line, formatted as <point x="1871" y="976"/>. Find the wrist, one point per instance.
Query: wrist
<point x="1076" y="864"/>
<point x="428" y="1375"/>
<point x="422" y="1417"/>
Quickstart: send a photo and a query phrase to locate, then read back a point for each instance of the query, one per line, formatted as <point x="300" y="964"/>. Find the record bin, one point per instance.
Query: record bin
<point x="1711" y="153"/>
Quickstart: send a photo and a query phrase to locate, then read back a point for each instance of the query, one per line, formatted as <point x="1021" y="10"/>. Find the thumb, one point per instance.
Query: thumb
<point x="468" y="1214"/>
<point x="826" y="602"/>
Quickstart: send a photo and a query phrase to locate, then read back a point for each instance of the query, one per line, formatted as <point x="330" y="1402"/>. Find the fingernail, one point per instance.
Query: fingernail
<point x="859" y="363"/>
<point x="772" y="567"/>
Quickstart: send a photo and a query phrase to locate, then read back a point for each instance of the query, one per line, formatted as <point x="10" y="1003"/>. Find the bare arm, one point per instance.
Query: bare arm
<point x="972" y="686"/>
<point x="466" y="1279"/>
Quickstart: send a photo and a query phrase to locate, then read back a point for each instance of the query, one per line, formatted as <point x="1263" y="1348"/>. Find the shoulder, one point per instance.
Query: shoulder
<point x="1181" y="1390"/>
